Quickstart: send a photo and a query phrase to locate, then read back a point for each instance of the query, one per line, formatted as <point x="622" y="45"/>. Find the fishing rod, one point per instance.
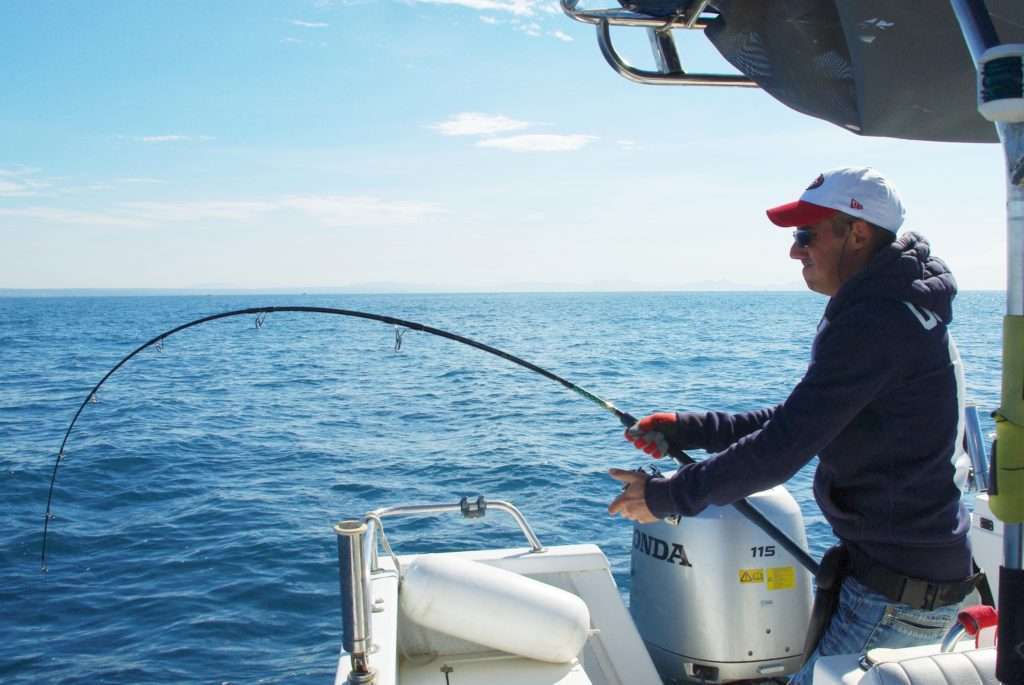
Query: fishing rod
<point x="627" y="419"/>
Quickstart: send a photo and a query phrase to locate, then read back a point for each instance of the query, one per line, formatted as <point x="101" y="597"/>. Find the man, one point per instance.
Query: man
<point x="879" y="404"/>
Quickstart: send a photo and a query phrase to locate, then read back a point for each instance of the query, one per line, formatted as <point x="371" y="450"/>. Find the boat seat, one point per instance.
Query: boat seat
<point x="976" y="667"/>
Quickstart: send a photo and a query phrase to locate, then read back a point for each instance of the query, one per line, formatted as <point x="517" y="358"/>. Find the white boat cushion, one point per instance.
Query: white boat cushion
<point x="495" y="608"/>
<point x="976" y="667"/>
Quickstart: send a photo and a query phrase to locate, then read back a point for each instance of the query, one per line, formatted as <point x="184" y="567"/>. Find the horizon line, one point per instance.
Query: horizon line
<point x="142" y="292"/>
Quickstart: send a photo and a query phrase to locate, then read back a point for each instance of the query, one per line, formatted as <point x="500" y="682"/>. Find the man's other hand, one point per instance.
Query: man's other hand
<point x="630" y="503"/>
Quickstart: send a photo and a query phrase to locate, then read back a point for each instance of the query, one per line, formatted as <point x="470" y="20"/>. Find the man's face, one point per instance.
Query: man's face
<point x="822" y="258"/>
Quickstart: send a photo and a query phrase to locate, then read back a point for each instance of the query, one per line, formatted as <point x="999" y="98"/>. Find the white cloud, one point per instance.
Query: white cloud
<point x="338" y="210"/>
<point x="174" y="138"/>
<point x="491" y="127"/>
<point x="562" y="36"/>
<point x="477" y="124"/>
<point x="30" y="183"/>
<point x="20" y="188"/>
<point x="309" y="24"/>
<point x="326" y="210"/>
<point x="17" y="183"/>
<point x="539" y="142"/>
<point x="523" y="8"/>
<point x="22" y="171"/>
<point x="176" y="212"/>
<point x="488" y="20"/>
<point x="138" y="179"/>
<point x="162" y="139"/>
<point x="11" y="189"/>
<point x="531" y="29"/>
<point x="67" y="216"/>
<point x="289" y="40"/>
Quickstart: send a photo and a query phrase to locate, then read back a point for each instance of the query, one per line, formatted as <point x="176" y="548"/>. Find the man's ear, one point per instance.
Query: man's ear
<point x="861" y="234"/>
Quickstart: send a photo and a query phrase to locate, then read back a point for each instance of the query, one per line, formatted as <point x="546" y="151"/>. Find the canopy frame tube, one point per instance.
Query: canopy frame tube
<point x="1006" y="495"/>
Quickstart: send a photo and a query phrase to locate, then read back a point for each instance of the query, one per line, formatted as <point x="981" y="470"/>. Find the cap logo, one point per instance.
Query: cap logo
<point x="854" y="204"/>
<point x="817" y="182"/>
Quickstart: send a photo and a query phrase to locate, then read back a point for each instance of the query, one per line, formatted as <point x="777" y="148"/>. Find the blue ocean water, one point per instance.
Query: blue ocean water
<point x="192" y="535"/>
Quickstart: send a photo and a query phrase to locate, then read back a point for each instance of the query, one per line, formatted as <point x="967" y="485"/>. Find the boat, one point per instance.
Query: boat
<point x="553" y="615"/>
<point x="539" y="615"/>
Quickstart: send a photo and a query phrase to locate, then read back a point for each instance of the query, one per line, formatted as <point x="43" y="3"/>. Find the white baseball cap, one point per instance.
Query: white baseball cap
<point x="858" y="191"/>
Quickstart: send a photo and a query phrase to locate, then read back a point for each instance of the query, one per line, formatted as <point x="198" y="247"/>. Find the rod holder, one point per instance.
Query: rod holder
<point x="355" y="599"/>
<point x="669" y="70"/>
<point x="976" y="448"/>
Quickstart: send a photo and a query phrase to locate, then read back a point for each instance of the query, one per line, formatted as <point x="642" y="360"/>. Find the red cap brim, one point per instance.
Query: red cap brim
<point x="799" y="213"/>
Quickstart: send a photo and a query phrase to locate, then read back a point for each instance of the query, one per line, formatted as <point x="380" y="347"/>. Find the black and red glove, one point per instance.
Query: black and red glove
<point x="655" y="434"/>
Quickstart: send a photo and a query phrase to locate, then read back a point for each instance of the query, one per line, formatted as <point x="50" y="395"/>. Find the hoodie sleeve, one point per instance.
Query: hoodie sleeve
<point x="714" y="431"/>
<point x="853" y="359"/>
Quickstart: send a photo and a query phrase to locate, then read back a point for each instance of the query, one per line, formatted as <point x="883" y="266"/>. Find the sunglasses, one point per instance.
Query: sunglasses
<point x="803" y="236"/>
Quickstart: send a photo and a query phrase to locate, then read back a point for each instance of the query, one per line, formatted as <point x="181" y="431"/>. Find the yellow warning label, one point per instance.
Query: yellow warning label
<point x="781" y="578"/>
<point x="751" y="575"/>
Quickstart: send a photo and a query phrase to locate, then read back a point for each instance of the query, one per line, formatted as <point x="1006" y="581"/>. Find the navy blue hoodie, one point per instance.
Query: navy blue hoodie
<point x="878" y="405"/>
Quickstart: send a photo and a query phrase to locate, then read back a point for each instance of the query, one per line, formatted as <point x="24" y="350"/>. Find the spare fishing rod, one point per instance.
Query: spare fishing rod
<point x="626" y="419"/>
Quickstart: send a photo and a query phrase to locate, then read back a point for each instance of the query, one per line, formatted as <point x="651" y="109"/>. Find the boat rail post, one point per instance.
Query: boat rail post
<point x="355" y="603"/>
<point x="976" y="448"/>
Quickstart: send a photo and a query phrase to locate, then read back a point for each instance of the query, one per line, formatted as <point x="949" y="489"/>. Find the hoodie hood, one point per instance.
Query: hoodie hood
<point x="904" y="271"/>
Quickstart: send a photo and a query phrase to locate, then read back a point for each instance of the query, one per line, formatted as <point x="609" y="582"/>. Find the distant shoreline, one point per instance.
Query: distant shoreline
<point x="198" y="292"/>
<point x="217" y="292"/>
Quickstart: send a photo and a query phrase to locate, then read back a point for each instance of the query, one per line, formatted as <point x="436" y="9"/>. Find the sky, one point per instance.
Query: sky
<point x="415" y="145"/>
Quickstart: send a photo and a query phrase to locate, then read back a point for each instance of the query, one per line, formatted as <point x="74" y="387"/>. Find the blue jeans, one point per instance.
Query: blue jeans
<point x="865" y="620"/>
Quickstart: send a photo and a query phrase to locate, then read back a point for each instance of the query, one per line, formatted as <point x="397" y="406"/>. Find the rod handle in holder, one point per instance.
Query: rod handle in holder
<point x="1001" y="83"/>
<point x="355" y="599"/>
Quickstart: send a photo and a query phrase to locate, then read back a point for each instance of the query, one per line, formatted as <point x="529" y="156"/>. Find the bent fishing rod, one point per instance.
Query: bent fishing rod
<point x="627" y="419"/>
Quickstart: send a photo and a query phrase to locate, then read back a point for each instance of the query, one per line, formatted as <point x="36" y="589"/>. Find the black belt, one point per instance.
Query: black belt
<point x="918" y="593"/>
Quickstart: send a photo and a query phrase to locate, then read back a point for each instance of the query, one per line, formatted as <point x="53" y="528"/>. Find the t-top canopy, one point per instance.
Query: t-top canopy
<point x="874" y="67"/>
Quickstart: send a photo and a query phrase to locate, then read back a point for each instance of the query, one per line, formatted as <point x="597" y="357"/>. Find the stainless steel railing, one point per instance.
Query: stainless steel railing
<point x="357" y="562"/>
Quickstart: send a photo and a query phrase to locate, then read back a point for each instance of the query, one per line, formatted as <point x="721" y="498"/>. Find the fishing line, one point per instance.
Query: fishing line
<point x="399" y="335"/>
<point x="261" y="313"/>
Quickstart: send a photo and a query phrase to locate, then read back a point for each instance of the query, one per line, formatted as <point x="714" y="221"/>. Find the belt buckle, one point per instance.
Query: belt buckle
<point x="919" y="594"/>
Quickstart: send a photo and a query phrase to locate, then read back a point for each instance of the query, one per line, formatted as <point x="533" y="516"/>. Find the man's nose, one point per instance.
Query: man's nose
<point x="797" y="252"/>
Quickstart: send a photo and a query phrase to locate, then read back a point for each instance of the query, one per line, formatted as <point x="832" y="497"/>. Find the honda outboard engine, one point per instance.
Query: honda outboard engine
<point x="716" y="599"/>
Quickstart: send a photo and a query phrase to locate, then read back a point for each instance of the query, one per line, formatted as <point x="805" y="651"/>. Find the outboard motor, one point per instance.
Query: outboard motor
<point x="716" y="599"/>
